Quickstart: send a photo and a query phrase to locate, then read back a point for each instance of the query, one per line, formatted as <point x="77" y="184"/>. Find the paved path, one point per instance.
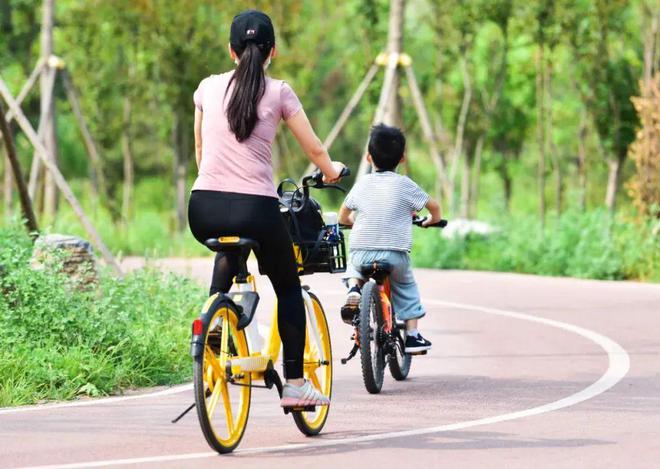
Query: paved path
<point x="525" y="371"/>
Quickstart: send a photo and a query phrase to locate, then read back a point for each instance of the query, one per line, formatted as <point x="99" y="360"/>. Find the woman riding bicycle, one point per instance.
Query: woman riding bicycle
<point x="236" y="117"/>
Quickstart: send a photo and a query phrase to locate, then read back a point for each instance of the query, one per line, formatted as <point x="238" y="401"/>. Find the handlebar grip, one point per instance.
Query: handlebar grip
<point x="418" y="221"/>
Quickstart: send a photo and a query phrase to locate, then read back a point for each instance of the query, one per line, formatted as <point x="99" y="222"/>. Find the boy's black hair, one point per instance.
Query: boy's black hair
<point x="386" y="146"/>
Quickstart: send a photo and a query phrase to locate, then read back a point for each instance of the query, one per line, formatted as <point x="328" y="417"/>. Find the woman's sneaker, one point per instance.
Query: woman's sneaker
<point x="302" y="396"/>
<point x="352" y="304"/>
<point x="416" y="343"/>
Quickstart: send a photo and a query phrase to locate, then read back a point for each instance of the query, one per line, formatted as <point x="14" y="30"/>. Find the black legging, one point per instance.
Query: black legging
<point x="212" y="214"/>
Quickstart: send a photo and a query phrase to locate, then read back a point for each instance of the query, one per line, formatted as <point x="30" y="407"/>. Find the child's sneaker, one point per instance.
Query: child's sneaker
<point x="416" y="343"/>
<point x="352" y="304"/>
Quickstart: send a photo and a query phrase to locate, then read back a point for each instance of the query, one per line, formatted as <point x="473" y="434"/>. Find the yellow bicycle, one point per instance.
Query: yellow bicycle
<point x="230" y="355"/>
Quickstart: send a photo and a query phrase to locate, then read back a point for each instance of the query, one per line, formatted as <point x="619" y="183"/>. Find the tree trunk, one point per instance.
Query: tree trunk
<point x="554" y="152"/>
<point x="12" y="164"/>
<point x="97" y="176"/>
<point x="614" y="165"/>
<point x="507" y="185"/>
<point x="127" y="153"/>
<point x="180" y="166"/>
<point x="48" y="107"/>
<point x="392" y="114"/>
<point x="540" y="129"/>
<point x="7" y="192"/>
<point x="388" y="109"/>
<point x="465" y="187"/>
<point x="476" y="174"/>
<point x="460" y="128"/>
<point x="582" y="159"/>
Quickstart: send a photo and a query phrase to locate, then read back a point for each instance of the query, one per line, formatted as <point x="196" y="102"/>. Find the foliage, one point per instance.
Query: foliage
<point x="588" y="245"/>
<point x="645" y="151"/>
<point x="57" y="342"/>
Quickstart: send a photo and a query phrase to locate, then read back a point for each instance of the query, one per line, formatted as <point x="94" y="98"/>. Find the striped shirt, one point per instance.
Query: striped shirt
<point x="383" y="203"/>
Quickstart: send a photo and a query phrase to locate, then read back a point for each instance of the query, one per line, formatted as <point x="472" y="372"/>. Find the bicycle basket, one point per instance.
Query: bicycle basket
<point x="317" y="248"/>
<point x="328" y="254"/>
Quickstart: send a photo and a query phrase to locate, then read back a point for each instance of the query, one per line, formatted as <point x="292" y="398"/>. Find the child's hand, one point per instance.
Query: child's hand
<point x="431" y="221"/>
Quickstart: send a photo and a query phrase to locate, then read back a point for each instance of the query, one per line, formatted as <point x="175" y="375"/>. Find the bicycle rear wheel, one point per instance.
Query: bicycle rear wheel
<point x="223" y="425"/>
<point x="399" y="360"/>
<point x="317" y="368"/>
<point x="371" y="351"/>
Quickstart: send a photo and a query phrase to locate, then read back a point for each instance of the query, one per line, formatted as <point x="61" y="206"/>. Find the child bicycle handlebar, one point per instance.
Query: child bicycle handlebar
<point x="418" y="221"/>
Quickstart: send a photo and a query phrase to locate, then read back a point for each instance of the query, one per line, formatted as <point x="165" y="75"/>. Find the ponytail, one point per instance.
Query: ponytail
<point x="249" y="88"/>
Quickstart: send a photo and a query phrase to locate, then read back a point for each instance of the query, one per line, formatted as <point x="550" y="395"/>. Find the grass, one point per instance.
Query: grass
<point x="58" y="342"/>
<point x="593" y="245"/>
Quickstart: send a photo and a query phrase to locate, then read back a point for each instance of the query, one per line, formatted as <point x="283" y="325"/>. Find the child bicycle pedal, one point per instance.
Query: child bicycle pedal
<point x="380" y="207"/>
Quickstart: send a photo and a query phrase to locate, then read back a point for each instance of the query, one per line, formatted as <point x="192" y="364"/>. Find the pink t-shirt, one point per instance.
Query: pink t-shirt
<point x="227" y="164"/>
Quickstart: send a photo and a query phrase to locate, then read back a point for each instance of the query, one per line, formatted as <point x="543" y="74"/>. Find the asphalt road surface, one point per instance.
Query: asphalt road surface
<point x="525" y="372"/>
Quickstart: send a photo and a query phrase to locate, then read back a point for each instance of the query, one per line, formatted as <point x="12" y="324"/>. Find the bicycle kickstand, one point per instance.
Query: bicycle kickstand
<point x="351" y="354"/>
<point x="192" y="406"/>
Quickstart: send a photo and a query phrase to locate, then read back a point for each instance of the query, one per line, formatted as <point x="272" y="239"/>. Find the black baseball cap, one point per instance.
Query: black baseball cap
<point x="252" y="25"/>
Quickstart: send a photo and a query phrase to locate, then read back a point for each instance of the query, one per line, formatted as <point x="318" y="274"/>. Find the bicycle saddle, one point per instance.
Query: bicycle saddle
<point x="376" y="270"/>
<point x="231" y="244"/>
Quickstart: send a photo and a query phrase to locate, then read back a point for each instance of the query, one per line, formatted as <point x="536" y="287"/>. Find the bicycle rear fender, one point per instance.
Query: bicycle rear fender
<point x="212" y="305"/>
<point x="247" y="301"/>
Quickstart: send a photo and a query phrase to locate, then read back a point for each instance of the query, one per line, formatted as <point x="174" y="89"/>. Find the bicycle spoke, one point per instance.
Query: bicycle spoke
<point x="213" y="402"/>
<point x="315" y="380"/>
<point x="213" y="362"/>
<point x="228" y="411"/>
<point x="224" y="343"/>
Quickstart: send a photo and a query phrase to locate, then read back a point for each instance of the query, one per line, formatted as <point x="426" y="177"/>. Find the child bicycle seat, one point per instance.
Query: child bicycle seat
<point x="376" y="270"/>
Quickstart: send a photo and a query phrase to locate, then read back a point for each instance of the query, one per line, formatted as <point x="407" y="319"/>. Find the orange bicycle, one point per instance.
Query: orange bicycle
<point x="378" y="336"/>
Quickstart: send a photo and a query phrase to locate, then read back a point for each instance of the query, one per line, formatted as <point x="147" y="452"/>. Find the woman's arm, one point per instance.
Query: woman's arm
<point x="311" y="145"/>
<point x="198" y="136"/>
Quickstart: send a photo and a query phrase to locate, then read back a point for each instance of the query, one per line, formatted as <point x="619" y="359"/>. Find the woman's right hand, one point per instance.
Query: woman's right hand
<point x="334" y="176"/>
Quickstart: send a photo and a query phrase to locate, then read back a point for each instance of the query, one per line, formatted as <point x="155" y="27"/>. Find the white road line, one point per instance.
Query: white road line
<point x="102" y="401"/>
<point x="619" y="364"/>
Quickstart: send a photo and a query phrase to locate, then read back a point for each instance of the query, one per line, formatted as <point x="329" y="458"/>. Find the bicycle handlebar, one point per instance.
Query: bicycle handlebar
<point x="315" y="180"/>
<point x="418" y="221"/>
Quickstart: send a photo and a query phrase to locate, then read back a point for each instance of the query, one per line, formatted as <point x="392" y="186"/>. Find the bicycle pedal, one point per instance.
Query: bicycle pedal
<point x="423" y="352"/>
<point x="309" y="408"/>
<point x="348" y="313"/>
<point x="249" y="364"/>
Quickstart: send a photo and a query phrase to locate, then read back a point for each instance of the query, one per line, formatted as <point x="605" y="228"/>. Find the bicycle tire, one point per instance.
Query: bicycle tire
<point x="399" y="362"/>
<point x="311" y="423"/>
<point x="206" y="381"/>
<point x="371" y="352"/>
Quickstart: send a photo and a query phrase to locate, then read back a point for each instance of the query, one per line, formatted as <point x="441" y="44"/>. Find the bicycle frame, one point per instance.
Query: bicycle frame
<point x="270" y="348"/>
<point x="388" y="313"/>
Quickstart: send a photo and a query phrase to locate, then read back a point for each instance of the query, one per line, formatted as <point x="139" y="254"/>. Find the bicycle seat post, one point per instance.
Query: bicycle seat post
<point x="243" y="274"/>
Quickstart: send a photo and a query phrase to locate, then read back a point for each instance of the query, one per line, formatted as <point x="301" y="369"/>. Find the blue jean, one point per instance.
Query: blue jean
<point x="405" y="294"/>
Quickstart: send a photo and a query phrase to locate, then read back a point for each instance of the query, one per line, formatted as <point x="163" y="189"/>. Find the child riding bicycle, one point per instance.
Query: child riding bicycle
<point x="380" y="206"/>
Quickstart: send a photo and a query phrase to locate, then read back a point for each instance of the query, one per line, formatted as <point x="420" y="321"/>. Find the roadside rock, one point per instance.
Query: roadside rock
<point x="70" y="255"/>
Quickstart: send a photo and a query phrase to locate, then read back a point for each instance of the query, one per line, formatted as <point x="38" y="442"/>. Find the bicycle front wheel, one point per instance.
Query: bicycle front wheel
<point x="370" y="329"/>
<point x="317" y="367"/>
<point x="222" y="407"/>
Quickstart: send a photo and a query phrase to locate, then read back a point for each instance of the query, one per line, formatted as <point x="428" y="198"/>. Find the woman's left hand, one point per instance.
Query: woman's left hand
<point x="337" y="166"/>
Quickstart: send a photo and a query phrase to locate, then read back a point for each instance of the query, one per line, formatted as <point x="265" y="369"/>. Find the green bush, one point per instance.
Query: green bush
<point x="58" y="342"/>
<point x="588" y="245"/>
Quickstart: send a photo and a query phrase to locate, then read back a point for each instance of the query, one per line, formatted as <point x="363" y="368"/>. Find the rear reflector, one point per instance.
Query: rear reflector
<point x="197" y="327"/>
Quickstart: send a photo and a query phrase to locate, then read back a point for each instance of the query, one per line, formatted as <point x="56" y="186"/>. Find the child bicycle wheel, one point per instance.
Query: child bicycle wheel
<point x="317" y="368"/>
<point x="222" y="407"/>
<point x="399" y="361"/>
<point x="371" y="351"/>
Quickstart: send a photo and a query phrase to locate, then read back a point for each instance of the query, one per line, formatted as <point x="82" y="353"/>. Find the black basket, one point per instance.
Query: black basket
<point x="327" y="255"/>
